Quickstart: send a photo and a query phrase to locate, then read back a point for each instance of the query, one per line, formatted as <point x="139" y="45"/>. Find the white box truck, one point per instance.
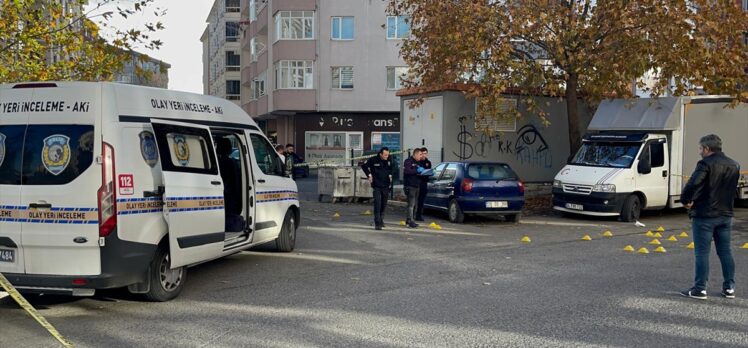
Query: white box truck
<point x="639" y="153"/>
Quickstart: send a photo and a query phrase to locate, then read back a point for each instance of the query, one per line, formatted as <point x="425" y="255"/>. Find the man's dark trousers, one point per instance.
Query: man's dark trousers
<point x="380" y="203"/>
<point x="422" y="190"/>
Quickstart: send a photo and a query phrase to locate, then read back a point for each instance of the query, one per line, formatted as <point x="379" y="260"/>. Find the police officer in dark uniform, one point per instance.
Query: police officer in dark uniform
<point x="379" y="171"/>
<point x="423" y="189"/>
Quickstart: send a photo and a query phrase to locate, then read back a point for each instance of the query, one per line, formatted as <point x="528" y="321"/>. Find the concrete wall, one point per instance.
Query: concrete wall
<point x="534" y="151"/>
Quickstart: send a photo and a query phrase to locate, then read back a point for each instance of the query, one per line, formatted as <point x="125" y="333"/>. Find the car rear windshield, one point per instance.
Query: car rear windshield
<point x="490" y="171"/>
<point x="44" y="154"/>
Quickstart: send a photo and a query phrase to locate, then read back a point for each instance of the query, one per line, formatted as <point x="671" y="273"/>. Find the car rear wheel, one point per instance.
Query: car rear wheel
<point x="455" y="213"/>
<point x="166" y="283"/>
<point x="631" y="209"/>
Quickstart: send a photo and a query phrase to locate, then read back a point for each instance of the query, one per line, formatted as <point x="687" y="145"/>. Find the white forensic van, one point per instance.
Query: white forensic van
<point x="104" y="185"/>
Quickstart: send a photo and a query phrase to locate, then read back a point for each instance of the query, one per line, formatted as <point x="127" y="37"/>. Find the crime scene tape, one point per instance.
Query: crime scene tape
<point x="15" y="295"/>
<point x="318" y="164"/>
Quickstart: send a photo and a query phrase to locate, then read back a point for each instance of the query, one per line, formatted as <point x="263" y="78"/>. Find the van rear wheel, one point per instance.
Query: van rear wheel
<point x="632" y="208"/>
<point x="166" y="283"/>
<point x="286" y="240"/>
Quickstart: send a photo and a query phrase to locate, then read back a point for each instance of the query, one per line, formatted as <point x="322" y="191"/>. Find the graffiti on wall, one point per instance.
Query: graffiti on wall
<point x="527" y="145"/>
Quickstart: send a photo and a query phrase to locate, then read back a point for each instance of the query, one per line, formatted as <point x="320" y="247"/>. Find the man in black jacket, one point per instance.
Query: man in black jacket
<point x="379" y="171"/>
<point x="411" y="185"/>
<point x="709" y="195"/>
<point x="423" y="188"/>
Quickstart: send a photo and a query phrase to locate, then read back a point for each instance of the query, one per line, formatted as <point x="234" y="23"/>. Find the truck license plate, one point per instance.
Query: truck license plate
<point x="497" y="204"/>
<point x="7" y="255"/>
<point x="574" y="206"/>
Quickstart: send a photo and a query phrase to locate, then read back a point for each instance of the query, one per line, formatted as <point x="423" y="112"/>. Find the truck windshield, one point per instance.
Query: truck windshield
<point x="606" y="154"/>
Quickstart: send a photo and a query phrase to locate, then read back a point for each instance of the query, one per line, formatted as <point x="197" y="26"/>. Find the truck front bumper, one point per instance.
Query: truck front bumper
<point x="595" y="203"/>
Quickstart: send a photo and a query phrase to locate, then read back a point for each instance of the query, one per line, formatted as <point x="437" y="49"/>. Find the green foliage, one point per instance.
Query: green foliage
<point x="41" y="41"/>
<point x="576" y="48"/>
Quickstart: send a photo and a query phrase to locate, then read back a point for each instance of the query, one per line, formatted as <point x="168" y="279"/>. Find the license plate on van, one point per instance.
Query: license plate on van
<point x="574" y="206"/>
<point x="7" y="255"/>
<point x="497" y="204"/>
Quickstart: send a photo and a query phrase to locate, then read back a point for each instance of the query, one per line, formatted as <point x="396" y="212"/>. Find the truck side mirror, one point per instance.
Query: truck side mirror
<point x="644" y="167"/>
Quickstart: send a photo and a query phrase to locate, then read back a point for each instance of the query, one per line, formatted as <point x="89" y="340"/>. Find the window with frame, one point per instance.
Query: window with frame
<point x="657" y="154"/>
<point x="395" y="76"/>
<point x="342" y="28"/>
<point x="294" y="25"/>
<point x="342" y="77"/>
<point x="233" y="61"/>
<point x="267" y="159"/>
<point x="232" y="31"/>
<point x="232" y="5"/>
<point x="233" y="89"/>
<point x="185" y="149"/>
<point x="398" y="27"/>
<point x="450" y="173"/>
<point x="258" y="86"/>
<point x="294" y="74"/>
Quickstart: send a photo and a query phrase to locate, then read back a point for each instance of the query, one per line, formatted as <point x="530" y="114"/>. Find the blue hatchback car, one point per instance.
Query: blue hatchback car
<point x="462" y="188"/>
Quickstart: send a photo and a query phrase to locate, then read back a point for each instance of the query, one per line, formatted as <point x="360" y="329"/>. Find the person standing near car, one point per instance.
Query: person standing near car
<point x="295" y="159"/>
<point x="709" y="196"/>
<point x="379" y="171"/>
<point x="412" y="184"/>
<point x="424" y="187"/>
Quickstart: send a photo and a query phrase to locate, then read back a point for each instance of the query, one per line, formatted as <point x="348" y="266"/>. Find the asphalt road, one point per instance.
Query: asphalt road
<point x="347" y="285"/>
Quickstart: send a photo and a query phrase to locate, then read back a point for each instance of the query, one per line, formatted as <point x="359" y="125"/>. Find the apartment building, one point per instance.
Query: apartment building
<point x="142" y="70"/>
<point x="322" y="74"/>
<point x="222" y="51"/>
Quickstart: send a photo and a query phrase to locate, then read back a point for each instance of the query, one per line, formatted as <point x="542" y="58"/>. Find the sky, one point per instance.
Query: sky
<point x="182" y="49"/>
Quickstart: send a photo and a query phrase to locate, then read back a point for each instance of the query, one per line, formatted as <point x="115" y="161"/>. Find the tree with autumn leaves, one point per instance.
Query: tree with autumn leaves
<point x="43" y="40"/>
<point x="575" y="49"/>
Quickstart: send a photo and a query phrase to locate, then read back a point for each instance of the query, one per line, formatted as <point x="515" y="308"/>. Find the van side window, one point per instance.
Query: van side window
<point x="185" y="149"/>
<point x="657" y="151"/>
<point x="11" y="145"/>
<point x="56" y="154"/>
<point x="265" y="155"/>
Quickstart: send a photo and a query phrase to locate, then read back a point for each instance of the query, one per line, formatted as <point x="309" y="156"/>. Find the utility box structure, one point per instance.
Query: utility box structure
<point x="453" y="129"/>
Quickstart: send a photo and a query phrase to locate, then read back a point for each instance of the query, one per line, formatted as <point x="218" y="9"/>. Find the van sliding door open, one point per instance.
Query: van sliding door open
<point x="193" y="192"/>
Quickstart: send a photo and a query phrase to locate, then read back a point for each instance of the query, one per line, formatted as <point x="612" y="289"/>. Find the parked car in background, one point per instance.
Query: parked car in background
<point x="464" y="188"/>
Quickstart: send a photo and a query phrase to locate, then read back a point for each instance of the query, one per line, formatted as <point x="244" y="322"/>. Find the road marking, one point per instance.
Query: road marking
<point x="14" y="294"/>
<point x="309" y="257"/>
<point x="552" y="223"/>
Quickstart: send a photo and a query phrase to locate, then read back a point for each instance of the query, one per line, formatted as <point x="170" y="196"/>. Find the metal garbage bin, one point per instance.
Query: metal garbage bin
<point x="336" y="182"/>
<point x="363" y="186"/>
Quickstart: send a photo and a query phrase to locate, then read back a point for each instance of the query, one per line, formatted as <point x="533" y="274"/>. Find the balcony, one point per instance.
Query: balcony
<point x="259" y="25"/>
<point x="294" y="5"/>
<point x="295" y="99"/>
<point x="294" y="50"/>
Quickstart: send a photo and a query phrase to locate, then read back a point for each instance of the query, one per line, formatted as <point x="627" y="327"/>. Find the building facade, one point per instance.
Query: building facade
<point x="222" y="51"/>
<point x="322" y="74"/>
<point x="142" y="70"/>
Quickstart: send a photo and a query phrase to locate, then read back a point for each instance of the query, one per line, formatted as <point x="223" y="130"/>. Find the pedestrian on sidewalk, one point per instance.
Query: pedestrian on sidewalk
<point x="379" y="171"/>
<point x="424" y="187"/>
<point x="709" y="196"/>
<point x="412" y="184"/>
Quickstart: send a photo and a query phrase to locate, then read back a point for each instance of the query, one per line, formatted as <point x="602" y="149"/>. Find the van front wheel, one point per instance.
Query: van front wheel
<point x="166" y="283"/>
<point x="286" y="240"/>
<point x="631" y="209"/>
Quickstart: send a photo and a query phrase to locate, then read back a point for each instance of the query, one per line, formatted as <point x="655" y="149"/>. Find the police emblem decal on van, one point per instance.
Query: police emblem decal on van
<point x="148" y="148"/>
<point x="56" y="153"/>
<point x="181" y="150"/>
<point x="2" y="148"/>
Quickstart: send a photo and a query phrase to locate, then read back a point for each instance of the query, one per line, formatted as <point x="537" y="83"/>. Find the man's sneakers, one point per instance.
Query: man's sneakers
<point x="694" y="293"/>
<point x="728" y="293"/>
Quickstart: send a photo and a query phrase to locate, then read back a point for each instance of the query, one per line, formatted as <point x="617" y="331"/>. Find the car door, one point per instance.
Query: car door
<point x="193" y="192"/>
<point x="274" y="192"/>
<point x="444" y="186"/>
<point x="431" y="194"/>
<point x="654" y="184"/>
<point x="11" y="145"/>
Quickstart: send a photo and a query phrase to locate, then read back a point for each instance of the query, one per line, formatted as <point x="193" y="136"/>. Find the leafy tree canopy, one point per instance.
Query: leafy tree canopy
<point x="43" y="40"/>
<point x="576" y="48"/>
